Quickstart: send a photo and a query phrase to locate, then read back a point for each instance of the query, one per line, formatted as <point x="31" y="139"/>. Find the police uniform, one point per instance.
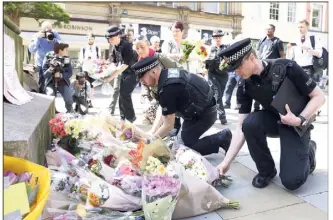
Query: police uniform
<point x="63" y="85"/>
<point x="192" y="98"/>
<point x="124" y="54"/>
<point x="217" y="77"/>
<point x="297" y="152"/>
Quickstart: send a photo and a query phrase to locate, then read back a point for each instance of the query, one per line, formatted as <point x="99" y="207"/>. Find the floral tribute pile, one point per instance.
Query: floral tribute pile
<point x="104" y="169"/>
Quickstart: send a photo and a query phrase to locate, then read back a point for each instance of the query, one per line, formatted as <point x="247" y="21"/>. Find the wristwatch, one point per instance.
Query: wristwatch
<point x="303" y="120"/>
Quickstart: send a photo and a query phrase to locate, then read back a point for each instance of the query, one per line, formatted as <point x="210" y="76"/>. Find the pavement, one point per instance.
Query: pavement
<point x="274" y="202"/>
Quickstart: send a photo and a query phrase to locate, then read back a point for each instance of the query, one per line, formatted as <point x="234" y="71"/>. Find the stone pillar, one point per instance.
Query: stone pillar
<point x="114" y="16"/>
<point x="236" y="26"/>
<point x="183" y="17"/>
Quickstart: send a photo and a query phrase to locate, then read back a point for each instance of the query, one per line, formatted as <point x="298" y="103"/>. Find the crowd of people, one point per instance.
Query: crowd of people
<point x="184" y="99"/>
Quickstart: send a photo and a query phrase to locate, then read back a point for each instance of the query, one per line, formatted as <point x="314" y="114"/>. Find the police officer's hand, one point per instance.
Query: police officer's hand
<point x="223" y="168"/>
<point x="290" y="118"/>
<point x="41" y="34"/>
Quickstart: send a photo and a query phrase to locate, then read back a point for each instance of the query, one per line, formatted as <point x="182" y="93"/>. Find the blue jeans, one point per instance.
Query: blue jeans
<point x="65" y="92"/>
<point x="231" y="84"/>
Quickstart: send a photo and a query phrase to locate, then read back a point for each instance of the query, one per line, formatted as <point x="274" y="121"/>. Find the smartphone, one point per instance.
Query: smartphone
<point x="293" y="44"/>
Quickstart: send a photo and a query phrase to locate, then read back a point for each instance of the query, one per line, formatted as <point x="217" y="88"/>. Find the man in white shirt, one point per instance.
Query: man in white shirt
<point x="90" y="52"/>
<point x="302" y="52"/>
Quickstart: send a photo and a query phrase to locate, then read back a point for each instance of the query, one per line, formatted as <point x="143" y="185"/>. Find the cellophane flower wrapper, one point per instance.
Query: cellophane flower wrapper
<point x="98" y="69"/>
<point x="104" y="195"/>
<point x="160" y="194"/>
<point x="196" y="164"/>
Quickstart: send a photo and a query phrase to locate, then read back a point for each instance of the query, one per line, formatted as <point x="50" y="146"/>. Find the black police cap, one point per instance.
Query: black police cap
<point x="144" y="65"/>
<point x="112" y="31"/>
<point x="235" y="53"/>
<point x="218" y="33"/>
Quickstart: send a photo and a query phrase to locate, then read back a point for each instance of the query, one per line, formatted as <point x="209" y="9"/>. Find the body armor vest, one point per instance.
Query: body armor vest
<point x="199" y="92"/>
<point x="265" y="91"/>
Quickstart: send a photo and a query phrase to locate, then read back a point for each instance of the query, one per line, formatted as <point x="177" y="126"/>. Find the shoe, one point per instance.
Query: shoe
<point x="226" y="106"/>
<point x="256" y="110"/>
<point x="174" y="132"/>
<point x="225" y="137"/>
<point x="313" y="147"/>
<point x="90" y="104"/>
<point x="261" y="182"/>
<point x="223" y="121"/>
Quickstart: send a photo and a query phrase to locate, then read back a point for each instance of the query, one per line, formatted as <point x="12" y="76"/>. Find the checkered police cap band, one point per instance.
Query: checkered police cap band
<point x="239" y="54"/>
<point x="146" y="68"/>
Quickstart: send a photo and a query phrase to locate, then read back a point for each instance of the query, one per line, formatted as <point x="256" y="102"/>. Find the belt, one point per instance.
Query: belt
<point x="307" y="67"/>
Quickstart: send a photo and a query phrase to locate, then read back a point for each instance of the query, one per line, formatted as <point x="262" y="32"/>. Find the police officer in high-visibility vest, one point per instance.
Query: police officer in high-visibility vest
<point x="188" y="95"/>
<point x="264" y="80"/>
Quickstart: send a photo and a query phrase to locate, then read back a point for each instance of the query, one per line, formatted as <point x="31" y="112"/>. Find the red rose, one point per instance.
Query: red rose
<point x="108" y="160"/>
<point x="202" y="48"/>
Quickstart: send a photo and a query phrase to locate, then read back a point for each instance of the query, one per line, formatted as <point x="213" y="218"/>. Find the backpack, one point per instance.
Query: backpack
<point x="84" y="51"/>
<point x="322" y="62"/>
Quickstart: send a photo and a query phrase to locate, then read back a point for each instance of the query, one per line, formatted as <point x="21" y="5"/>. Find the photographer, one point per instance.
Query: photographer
<point x="57" y="69"/>
<point x="123" y="53"/>
<point x="81" y="92"/>
<point x="40" y="45"/>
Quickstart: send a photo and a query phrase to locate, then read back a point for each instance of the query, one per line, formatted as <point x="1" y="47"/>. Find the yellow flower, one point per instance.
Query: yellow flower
<point x="161" y="169"/>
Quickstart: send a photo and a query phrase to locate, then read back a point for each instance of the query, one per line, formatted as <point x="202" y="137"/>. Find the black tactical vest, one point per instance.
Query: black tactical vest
<point x="199" y="92"/>
<point x="263" y="88"/>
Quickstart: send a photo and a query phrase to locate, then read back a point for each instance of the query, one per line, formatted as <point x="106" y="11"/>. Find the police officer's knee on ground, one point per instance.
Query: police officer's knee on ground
<point x="57" y="70"/>
<point x="261" y="81"/>
<point x="188" y="95"/>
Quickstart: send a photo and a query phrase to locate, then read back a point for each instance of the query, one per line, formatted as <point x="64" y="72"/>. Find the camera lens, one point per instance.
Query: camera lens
<point x="49" y="35"/>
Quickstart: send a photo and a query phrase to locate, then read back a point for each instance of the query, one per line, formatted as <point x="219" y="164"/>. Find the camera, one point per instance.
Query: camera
<point x="49" y="35"/>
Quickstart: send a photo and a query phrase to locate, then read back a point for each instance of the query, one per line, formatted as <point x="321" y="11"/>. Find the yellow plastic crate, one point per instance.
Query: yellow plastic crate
<point x="19" y="166"/>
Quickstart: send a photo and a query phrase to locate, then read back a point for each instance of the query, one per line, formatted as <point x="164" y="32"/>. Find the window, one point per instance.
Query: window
<point x="210" y="7"/>
<point x="316" y="20"/>
<point x="274" y="11"/>
<point x="170" y="4"/>
<point x="192" y="5"/>
<point x="225" y="8"/>
<point x="292" y="12"/>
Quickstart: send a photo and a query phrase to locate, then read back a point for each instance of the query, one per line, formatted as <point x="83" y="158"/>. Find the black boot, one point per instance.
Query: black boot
<point x="225" y="137"/>
<point x="176" y="128"/>
<point x="263" y="181"/>
<point x="313" y="149"/>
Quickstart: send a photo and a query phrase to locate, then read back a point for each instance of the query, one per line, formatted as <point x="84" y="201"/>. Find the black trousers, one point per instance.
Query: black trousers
<point x="80" y="101"/>
<point x="191" y="131"/>
<point x="128" y="82"/>
<point x="219" y="83"/>
<point x="296" y="156"/>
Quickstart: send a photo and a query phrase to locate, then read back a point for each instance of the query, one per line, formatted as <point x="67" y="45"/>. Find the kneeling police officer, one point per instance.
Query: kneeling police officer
<point x="188" y="95"/>
<point x="262" y="81"/>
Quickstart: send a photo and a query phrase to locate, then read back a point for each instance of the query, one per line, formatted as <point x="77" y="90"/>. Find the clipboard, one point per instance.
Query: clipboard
<point x="289" y="94"/>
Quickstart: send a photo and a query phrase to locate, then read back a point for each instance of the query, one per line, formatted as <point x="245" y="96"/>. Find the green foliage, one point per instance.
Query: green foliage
<point x="40" y="11"/>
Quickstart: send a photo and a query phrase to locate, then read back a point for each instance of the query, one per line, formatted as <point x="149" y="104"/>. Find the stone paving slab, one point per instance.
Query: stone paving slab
<point x="303" y="211"/>
<point x="209" y="216"/>
<point x="253" y="200"/>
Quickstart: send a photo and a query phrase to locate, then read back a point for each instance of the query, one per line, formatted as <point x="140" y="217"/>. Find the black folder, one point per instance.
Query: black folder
<point x="289" y="94"/>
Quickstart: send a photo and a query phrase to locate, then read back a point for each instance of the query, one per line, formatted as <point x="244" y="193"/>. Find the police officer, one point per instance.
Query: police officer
<point x="217" y="77"/>
<point x="261" y="81"/>
<point x="188" y="95"/>
<point x="123" y="53"/>
<point x="58" y="79"/>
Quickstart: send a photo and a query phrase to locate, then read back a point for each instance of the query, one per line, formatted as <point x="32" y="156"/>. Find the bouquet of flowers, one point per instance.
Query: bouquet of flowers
<point x="201" y="51"/>
<point x="223" y="64"/>
<point x="57" y="124"/>
<point x="160" y="196"/>
<point x="98" y="69"/>
<point x="187" y="48"/>
<point x="196" y="164"/>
